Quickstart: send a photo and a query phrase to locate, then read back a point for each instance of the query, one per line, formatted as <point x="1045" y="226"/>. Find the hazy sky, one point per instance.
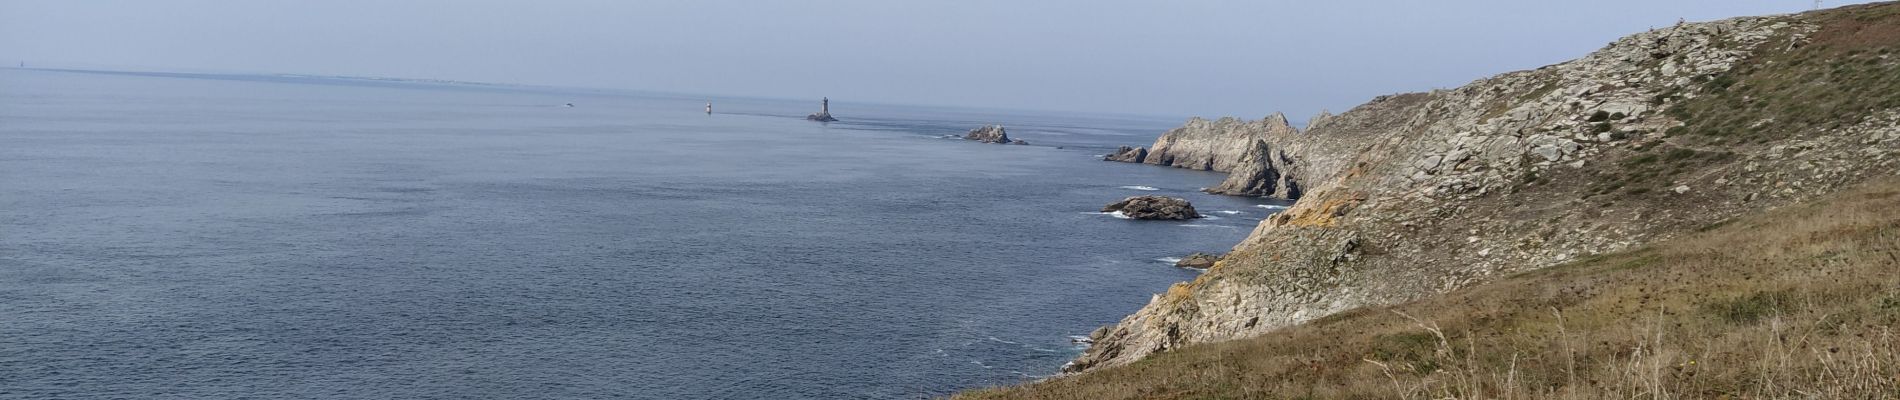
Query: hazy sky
<point x="1167" y="58"/>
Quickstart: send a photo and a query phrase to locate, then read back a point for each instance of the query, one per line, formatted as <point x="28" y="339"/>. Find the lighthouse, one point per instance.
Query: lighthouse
<point x="824" y="111"/>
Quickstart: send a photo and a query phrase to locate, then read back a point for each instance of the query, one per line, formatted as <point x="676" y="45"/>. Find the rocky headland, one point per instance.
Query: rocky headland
<point x="1207" y="145"/>
<point x="1263" y="158"/>
<point x="1411" y="195"/>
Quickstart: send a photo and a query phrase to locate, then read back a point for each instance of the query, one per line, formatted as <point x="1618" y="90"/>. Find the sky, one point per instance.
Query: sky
<point x="1170" y="59"/>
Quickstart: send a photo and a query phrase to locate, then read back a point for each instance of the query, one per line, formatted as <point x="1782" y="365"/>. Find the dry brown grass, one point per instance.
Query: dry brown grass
<point x="1800" y="302"/>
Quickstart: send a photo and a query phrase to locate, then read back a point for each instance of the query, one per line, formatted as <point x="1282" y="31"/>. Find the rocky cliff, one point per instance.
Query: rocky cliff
<point x="1278" y="162"/>
<point x="1269" y="157"/>
<point x="1210" y="145"/>
<point x="1659" y="133"/>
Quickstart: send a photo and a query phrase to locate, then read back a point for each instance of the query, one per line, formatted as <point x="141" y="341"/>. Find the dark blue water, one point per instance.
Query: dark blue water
<point x="180" y="237"/>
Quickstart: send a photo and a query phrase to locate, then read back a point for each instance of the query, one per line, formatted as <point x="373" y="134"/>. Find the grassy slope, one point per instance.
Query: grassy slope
<point x="1795" y="302"/>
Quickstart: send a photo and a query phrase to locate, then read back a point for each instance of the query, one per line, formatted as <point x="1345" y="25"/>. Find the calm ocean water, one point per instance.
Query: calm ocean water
<point x="180" y="237"/>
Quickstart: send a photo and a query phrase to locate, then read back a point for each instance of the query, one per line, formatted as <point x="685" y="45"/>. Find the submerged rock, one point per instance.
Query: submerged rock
<point x="1198" y="260"/>
<point x="1154" y="207"/>
<point x="989" y="134"/>
<point x="1128" y="155"/>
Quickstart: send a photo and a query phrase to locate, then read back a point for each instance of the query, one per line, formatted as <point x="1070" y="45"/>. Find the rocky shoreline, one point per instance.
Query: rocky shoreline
<point x="1412" y="195"/>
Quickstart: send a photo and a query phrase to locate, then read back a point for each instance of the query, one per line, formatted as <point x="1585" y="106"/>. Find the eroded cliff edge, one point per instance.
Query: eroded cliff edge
<point x="1269" y="157"/>
<point x="1657" y="134"/>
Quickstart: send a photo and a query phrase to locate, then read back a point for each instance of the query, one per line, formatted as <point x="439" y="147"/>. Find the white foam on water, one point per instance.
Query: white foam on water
<point x="1169" y="260"/>
<point x="1271" y="206"/>
<point x="1229" y="212"/>
<point x="1116" y="214"/>
<point x="1141" y="188"/>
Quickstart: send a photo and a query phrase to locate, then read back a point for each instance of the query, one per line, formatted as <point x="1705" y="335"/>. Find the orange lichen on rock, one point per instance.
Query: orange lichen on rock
<point x="1325" y="213"/>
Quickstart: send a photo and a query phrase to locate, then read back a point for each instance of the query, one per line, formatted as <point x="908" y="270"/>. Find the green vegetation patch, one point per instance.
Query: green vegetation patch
<point x="1840" y="75"/>
<point x="1418" y="351"/>
<point x="1754" y="307"/>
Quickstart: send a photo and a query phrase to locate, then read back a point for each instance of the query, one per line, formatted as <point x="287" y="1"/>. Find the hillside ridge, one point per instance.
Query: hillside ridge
<point x="1656" y="134"/>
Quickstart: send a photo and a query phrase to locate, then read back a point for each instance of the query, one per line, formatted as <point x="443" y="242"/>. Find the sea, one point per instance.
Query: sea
<point x="193" y="235"/>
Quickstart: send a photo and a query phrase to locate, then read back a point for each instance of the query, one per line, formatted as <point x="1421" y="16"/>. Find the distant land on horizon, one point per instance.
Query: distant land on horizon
<point x="321" y="79"/>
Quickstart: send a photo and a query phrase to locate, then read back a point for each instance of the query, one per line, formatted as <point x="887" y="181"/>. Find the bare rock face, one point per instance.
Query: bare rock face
<point x="1154" y="207"/>
<point x="1413" y="195"/>
<point x="1198" y="260"/>
<point x="1128" y="155"/>
<point x="1214" y="145"/>
<point x="1269" y="158"/>
<point x="1263" y="172"/>
<point x="989" y="134"/>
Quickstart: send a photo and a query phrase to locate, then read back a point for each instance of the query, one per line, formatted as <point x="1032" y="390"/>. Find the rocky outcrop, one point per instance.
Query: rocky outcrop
<point x="1128" y="155"/>
<point x="1319" y="121"/>
<point x="1430" y="192"/>
<point x="991" y="134"/>
<point x="1262" y="172"/>
<point x="1269" y="158"/>
<point x="1258" y="154"/>
<point x="1198" y="260"/>
<point x="1154" y="207"/>
<point x="1214" y="145"/>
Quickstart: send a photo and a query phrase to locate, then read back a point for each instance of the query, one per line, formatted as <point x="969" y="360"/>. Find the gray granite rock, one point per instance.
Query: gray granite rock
<point x="1154" y="207"/>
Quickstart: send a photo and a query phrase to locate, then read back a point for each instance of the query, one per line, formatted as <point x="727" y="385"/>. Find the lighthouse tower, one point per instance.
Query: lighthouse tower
<point x="824" y="111"/>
